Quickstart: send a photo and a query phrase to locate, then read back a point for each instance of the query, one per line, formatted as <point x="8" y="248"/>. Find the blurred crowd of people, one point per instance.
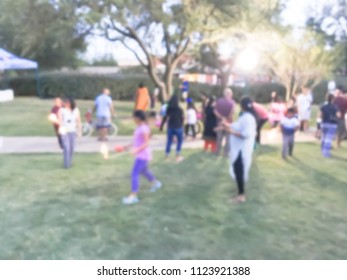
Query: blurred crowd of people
<point x="224" y="131"/>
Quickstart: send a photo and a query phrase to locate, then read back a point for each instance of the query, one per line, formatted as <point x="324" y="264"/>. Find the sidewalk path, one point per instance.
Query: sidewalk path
<point x="31" y="145"/>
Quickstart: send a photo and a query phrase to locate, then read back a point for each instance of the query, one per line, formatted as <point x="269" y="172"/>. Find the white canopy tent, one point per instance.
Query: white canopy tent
<point x="9" y="61"/>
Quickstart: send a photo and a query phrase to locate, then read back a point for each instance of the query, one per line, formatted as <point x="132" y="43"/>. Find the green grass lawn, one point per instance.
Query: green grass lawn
<point x="295" y="209"/>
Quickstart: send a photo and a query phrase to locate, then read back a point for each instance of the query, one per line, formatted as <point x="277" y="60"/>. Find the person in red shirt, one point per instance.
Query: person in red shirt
<point x="262" y="118"/>
<point x="54" y="111"/>
<point x="340" y="102"/>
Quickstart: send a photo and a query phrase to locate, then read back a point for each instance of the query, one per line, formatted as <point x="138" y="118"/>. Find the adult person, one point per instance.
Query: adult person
<point x="54" y="112"/>
<point x="224" y="111"/>
<point x="104" y="110"/>
<point x="242" y="138"/>
<point x="210" y="123"/>
<point x="69" y="126"/>
<point x="263" y="117"/>
<point x="304" y="102"/>
<point x="330" y="116"/>
<point x="175" y="118"/>
<point x="142" y="99"/>
<point x="204" y="101"/>
<point x="340" y="102"/>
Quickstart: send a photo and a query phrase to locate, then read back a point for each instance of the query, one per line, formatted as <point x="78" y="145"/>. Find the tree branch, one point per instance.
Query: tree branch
<point x="184" y="48"/>
<point x="150" y="58"/>
<point x="135" y="53"/>
<point x="124" y="33"/>
<point x="178" y="47"/>
<point x="108" y="37"/>
<point x="167" y="43"/>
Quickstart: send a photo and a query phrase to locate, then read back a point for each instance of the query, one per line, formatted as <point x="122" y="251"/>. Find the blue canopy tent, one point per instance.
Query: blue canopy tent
<point x="9" y="61"/>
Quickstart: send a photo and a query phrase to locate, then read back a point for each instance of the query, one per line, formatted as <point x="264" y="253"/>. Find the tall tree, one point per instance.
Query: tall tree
<point x="43" y="30"/>
<point x="300" y="61"/>
<point x="330" y="20"/>
<point x="160" y="29"/>
<point x="219" y="50"/>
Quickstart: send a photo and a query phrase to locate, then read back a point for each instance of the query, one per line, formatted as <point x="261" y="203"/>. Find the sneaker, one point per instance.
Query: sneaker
<point x="129" y="200"/>
<point x="156" y="186"/>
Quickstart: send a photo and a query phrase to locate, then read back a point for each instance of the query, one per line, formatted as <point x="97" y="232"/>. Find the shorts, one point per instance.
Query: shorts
<point x="103" y="122"/>
<point x="341" y="128"/>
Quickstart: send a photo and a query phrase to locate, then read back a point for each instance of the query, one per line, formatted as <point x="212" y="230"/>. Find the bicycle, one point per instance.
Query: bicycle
<point x="89" y="126"/>
<point x="199" y="126"/>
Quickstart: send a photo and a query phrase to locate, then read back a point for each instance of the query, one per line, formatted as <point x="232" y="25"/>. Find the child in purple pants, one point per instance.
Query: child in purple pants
<point x="143" y="155"/>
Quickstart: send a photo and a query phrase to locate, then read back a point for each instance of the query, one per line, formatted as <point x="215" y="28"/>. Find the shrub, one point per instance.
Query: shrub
<point x="123" y="87"/>
<point x="80" y="86"/>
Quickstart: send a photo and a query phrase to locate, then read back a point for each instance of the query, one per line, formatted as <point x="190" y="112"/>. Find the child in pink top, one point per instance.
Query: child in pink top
<point x="277" y="111"/>
<point x="143" y="154"/>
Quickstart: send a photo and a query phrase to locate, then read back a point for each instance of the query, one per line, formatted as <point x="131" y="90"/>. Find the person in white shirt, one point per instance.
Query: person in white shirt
<point x="304" y="102"/>
<point x="289" y="125"/>
<point x="191" y="120"/>
<point x="242" y="141"/>
<point x="69" y="125"/>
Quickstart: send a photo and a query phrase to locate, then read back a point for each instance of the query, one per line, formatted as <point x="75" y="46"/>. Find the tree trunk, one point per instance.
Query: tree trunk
<point x="224" y="77"/>
<point x="288" y="91"/>
<point x="163" y="92"/>
<point x="169" y="77"/>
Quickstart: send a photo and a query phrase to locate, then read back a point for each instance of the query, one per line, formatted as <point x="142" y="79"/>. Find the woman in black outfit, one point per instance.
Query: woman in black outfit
<point x="175" y="117"/>
<point x="210" y="123"/>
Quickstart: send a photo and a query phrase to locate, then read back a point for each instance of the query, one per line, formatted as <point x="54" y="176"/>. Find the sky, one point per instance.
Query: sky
<point x="295" y="14"/>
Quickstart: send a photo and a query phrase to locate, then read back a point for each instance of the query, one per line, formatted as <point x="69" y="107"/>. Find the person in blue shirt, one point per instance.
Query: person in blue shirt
<point x="104" y="111"/>
<point x="330" y="116"/>
<point x="185" y="89"/>
<point x="289" y="125"/>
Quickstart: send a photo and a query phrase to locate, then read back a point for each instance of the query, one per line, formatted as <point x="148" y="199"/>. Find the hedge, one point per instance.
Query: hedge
<point x="80" y="86"/>
<point x="123" y="87"/>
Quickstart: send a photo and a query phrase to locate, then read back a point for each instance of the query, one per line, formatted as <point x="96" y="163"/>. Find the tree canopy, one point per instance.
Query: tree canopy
<point x="161" y="30"/>
<point x="53" y="32"/>
<point x="46" y="31"/>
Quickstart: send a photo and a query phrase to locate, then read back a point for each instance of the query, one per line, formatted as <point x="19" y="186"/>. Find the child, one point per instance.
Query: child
<point x="88" y="116"/>
<point x="191" y="119"/>
<point x="54" y="119"/>
<point x="289" y="125"/>
<point x="142" y="153"/>
<point x="277" y="111"/>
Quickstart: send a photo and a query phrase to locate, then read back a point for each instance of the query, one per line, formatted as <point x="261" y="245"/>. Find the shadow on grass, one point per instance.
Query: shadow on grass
<point x="265" y="149"/>
<point x="323" y="179"/>
<point x="339" y="158"/>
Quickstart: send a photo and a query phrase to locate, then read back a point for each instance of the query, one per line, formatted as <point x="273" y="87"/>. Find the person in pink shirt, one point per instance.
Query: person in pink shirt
<point x="277" y="111"/>
<point x="262" y="118"/>
<point x="143" y="154"/>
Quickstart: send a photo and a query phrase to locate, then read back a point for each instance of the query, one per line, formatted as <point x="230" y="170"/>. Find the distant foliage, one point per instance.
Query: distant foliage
<point x="123" y="87"/>
<point x="80" y="86"/>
